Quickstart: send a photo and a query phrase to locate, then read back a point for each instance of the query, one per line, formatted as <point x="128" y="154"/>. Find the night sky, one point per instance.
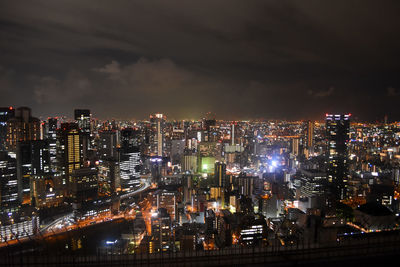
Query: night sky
<point x="239" y="59"/>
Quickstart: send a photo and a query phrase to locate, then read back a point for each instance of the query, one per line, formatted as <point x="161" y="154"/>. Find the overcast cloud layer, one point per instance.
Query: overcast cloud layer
<point x="239" y="59"/>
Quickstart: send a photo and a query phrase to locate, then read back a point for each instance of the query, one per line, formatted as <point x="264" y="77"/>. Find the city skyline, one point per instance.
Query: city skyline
<point x="284" y="60"/>
<point x="219" y="133"/>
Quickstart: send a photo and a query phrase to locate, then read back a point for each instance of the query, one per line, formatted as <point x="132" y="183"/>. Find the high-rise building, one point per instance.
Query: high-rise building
<point x="83" y="117"/>
<point x="208" y="125"/>
<point x="83" y="184"/>
<point x="33" y="168"/>
<point x="72" y="148"/>
<point x="44" y="184"/>
<point x="158" y="138"/>
<point x="245" y="185"/>
<point x="5" y="114"/>
<point x="295" y="146"/>
<point x="310" y="136"/>
<point x="24" y="170"/>
<point x="8" y="182"/>
<point x="177" y="150"/>
<point x="108" y="144"/>
<point x="220" y="174"/>
<point x="23" y="127"/>
<point x="337" y="134"/>
<point x="130" y="159"/>
<point x="109" y="173"/>
<point x="52" y="140"/>
<point x="189" y="162"/>
<point x="161" y="232"/>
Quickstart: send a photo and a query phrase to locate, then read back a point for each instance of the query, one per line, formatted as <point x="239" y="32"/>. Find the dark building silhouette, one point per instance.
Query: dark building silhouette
<point x="337" y="134"/>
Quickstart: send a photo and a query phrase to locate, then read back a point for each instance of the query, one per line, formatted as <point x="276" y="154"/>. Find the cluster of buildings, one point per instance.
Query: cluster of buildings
<point x="214" y="184"/>
<point x="276" y="182"/>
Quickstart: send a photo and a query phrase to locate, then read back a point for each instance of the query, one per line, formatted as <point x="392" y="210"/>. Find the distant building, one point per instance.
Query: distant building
<point x="220" y="174"/>
<point x="295" y="146"/>
<point x="22" y="127"/>
<point x="310" y="137"/>
<point x="158" y="134"/>
<point x="177" y="150"/>
<point x="83" y="118"/>
<point x="189" y="162"/>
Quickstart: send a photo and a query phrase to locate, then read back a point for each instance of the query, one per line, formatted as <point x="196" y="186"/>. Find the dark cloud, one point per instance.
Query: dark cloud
<point x="321" y="94"/>
<point x="239" y="59"/>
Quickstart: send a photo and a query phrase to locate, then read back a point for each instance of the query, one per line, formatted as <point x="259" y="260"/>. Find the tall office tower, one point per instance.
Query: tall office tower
<point x="52" y="140"/>
<point x="83" y="117"/>
<point x="33" y="167"/>
<point x="130" y="159"/>
<point x="295" y="146"/>
<point x="5" y="115"/>
<point x="158" y="138"/>
<point x="8" y="183"/>
<point x="109" y="173"/>
<point x="71" y="151"/>
<point x="108" y="144"/>
<point x="43" y="186"/>
<point x="246" y="185"/>
<point x="310" y="136"/>
<point x="220" y="174"/>
<point x="233" y="134"/>
<point x="24" y="170"/>
<point x="23" y="127"/>
<point x="337" y="133"/>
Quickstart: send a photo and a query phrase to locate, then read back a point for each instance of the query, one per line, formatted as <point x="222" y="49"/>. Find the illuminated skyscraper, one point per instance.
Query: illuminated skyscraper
<point x="5" y="115"/>
<point x="158" y="138"/>
<point x="52" y="139"/>
<point x="130" y="159"/>
<point x="71" y="151"/>
<point x="337" y="134"/>
<point x="8" y="182"/>
<point x="295" y="146"/>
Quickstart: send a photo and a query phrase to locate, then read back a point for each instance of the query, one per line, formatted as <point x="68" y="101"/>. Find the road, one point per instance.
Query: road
<point x="65" y="223"/>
